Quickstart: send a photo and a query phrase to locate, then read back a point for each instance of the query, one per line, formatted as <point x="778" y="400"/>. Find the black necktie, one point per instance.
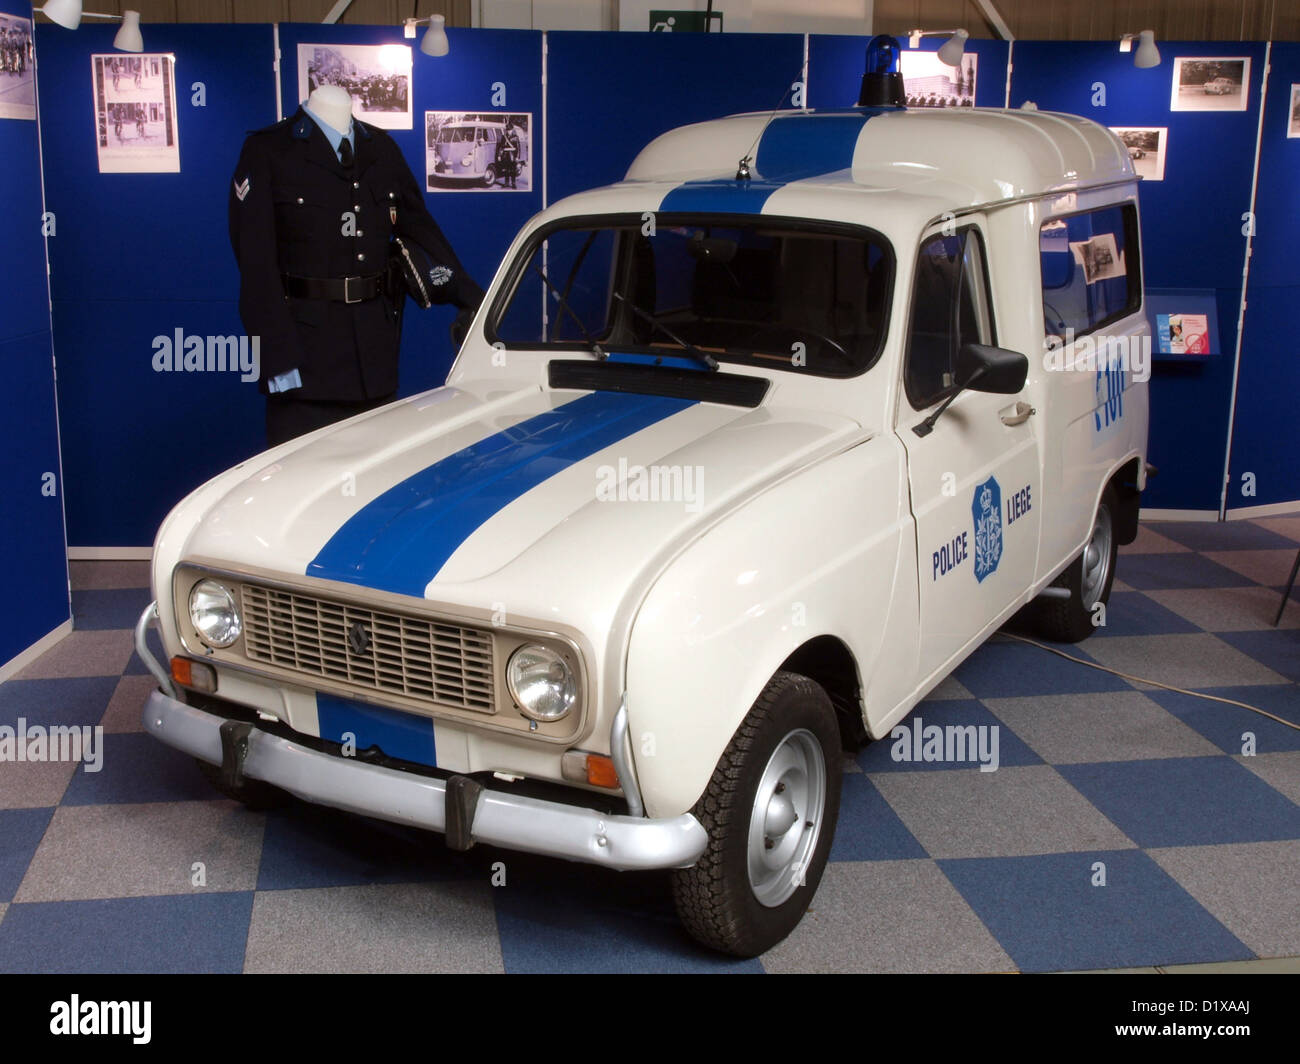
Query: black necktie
<point x="345" y="153"/>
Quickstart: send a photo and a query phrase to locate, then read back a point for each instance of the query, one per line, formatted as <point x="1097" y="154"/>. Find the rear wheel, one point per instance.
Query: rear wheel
<point x="770" y="811"/>
<point x="1088" y="579"/>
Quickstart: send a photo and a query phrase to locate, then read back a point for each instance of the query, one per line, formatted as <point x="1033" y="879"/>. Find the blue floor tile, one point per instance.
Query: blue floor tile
<point x="867" y="828"/>
<point x="561" y="917"/>
<point x="1225" y="725"/>
<point x="1226" y="535"/>
<point x="961" y="712"/>
<point x="21" y="831"/>
<point x="1133" y="613"/>
<point x="1186" y="801"/>
<point x="1047" y="915"/>
<point x="308" y="845"/>
<point x="175" y="933"/>
<point x="1169" y="572"/>
<point x="138" y="768"/>
<point x="1008" y="669"/>
<point x="75" y="700"/>
<point x="1278" y="648"/>
<point x="118" y="608"/>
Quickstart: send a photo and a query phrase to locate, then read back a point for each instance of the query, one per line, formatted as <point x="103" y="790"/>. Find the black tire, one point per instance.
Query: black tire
<point x="257" y="795"/>
<point x="1070" y="620"/>
<point x="489" y="176"/>
<point x="715" y="899"/>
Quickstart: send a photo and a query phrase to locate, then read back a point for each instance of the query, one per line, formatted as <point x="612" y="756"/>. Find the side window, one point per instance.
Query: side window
<point x="950" y="307"/>
<point x="1090" y="270"/>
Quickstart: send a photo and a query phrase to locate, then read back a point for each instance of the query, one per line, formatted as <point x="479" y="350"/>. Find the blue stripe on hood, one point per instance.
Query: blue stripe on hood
<point x="400" y="540"/>
<point x="792" y="147"/>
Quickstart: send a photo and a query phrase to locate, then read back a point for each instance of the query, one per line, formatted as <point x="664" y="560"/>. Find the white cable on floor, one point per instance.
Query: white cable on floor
<point x="1153" y="683"/>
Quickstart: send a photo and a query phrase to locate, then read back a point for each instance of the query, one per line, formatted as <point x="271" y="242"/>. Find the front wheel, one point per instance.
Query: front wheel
<point x="770" y="811"/>
<point x="489" y="177"/>
<point x="1088" y="579"/>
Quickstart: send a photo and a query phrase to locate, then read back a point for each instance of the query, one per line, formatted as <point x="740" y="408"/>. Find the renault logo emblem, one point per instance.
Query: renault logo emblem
<point x="358" y="638"/>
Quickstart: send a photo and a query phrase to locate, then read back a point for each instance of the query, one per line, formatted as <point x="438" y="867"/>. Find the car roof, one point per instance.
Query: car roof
<point x="968" y="157"/>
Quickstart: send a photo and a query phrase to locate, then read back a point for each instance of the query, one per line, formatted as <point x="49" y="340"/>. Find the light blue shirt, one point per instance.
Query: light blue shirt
<point x="333" y="135"/>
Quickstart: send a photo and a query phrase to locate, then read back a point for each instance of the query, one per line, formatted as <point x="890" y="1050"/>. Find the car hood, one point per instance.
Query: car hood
<point x="450" y="488"/>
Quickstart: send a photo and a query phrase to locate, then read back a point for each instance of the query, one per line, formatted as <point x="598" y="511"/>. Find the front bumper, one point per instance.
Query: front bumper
<point x="532" y="825"/>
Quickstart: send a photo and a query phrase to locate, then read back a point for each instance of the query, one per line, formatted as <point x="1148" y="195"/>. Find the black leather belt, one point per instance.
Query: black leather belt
<point x="339" y="289"/>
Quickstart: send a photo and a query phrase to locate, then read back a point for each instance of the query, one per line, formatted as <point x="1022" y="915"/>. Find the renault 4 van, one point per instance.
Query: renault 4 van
<point x="743" y="456"/>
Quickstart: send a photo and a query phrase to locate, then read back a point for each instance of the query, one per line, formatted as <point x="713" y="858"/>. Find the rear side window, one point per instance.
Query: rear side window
<point x="1091" y="274"/>
<point x="950" y="307"/>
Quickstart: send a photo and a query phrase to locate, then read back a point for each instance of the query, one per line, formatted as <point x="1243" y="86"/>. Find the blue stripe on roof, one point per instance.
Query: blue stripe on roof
<point x="791" y="148"/>
<point x="400" y="540"/>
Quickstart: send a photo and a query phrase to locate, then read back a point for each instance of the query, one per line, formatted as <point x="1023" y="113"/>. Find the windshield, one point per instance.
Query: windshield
<point x="455" y="135"/>
<point x="764" y="291"/>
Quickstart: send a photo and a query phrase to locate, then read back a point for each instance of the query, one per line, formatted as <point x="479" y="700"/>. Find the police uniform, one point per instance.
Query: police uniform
<point x="312" y="237"/>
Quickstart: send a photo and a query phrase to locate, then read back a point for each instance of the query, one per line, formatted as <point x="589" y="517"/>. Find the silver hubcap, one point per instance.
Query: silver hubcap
<point x="1096" y="560"/>
<point x="786" y="819"/>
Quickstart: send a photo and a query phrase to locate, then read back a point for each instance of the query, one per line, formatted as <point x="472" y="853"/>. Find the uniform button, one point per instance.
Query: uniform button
<point x="356" y="184"/>
<point x="360" y="233"/>
<point x="356" y="206"/>
<point x="299" y="199"/>
<point x="361" y="258"/>
<point x="392" y="195"/>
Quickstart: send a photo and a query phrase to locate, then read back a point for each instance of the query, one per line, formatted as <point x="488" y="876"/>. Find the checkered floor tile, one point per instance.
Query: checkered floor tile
<point x="1125" y="826"/>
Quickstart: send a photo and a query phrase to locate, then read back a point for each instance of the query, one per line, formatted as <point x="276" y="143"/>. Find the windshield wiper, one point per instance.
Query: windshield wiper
<point x="563" y="305"/>
<point x="687" y="346"/>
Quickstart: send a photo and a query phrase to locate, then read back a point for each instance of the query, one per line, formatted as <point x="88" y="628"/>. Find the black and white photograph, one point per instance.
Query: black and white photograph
<point x="376" y="76"/>
<point x="929" y="82"/>
<point x="135" y="113"/>
<point x="1293" y="122"/>
<point x="1211" y="84"/>
<point x="17" y="78"/>
<point x="478" y="152"/>
<point x="1146" y="148"/>
<point x="1099" y="257"/>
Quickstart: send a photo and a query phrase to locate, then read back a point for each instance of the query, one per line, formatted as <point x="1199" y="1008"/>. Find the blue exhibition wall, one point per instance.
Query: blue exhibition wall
<point x="1192" y="235"/>
<point x="139" y="256"/>
<point x="31" y="519"/>
<point x="1266" y="430"/>
<point x="610" y="94"/>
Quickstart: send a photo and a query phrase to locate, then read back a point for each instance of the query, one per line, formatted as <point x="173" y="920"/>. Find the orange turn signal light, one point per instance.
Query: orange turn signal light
<point x="600" y="771"/>
<point x="190" y="673"/>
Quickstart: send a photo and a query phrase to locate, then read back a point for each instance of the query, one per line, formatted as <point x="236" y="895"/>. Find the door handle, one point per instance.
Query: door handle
<point x="1018" y="414"/>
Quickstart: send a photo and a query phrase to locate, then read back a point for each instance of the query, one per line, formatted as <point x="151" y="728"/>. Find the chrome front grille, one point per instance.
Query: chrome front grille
<point x="417" y="657"/>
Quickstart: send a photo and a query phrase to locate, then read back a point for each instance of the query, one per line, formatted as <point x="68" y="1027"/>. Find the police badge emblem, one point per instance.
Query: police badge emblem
<point x="986" y="508"/>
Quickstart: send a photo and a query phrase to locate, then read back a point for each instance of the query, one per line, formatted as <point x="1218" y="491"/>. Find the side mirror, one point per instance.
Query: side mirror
<point x="991" y="369"/>
<point x="981" y="368"/>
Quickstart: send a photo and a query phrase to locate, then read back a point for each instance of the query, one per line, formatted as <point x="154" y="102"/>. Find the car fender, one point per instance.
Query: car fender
<point x="801" y="560"/>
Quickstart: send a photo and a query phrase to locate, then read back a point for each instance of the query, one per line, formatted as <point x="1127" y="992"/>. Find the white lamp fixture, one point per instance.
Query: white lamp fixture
<point x="434" y="41"/>
<point x="951" y="51"/>
<point x="1147" y="54"/>
<point x="68" y="14"/>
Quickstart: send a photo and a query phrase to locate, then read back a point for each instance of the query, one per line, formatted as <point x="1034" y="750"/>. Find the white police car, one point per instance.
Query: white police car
<point x="740" y="460"/>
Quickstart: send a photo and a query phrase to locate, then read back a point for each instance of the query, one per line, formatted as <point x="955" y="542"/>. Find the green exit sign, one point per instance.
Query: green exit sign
<point x="684" y="21"/>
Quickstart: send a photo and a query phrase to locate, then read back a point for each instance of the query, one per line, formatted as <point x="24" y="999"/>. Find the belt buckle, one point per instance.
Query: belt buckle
<point x="347" y="290"/>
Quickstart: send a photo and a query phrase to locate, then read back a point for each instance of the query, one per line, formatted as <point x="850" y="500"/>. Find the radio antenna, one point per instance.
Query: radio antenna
<point x="743" y="172"/>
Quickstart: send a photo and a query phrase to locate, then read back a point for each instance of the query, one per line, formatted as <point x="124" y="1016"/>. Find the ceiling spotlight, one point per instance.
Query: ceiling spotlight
<point x="434" y="42"/>
<point x="68" y="14"/>
<point x="951" y="51"/>
<point x="1147" y="54"/>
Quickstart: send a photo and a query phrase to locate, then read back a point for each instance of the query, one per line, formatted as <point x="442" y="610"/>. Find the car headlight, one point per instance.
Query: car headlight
<point x="467" y="160"/>
<point x="213" y="614"/>
<point x="541" y="682"/>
